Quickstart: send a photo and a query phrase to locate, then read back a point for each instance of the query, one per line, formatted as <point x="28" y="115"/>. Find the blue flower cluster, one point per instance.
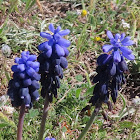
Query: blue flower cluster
<point x="118" y="45"/>
<point x="56" y="44"/>
<point x="53" y="60"/>
<point x="50" y="139"/>
<point x="111" y="68"/>
<point x="23" y="88"/>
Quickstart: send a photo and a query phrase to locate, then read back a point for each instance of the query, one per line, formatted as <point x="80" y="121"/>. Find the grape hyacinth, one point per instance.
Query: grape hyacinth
<point x="53" y="60"/>
<point x="110" y="76"/>
<point x="23" y="88"/>
<point x="50" y="139"/>
<point x="111" y="68"/>
<point x="118" y="45"/>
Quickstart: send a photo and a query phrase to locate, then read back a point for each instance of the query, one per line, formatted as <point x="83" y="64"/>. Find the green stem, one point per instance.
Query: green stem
<point x="83" y="4"/>
<point x="20" y="123"/>
<point x="88" y="125"/>
<point x="45" y="113"/>
<point x="92" y="6"/>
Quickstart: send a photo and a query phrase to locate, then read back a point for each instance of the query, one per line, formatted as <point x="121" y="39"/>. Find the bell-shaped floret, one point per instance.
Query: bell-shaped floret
<point x="35" y="84"/>
<point x="61" y="73"/>
<point x="57" y="70"/>
<point x="27" y="100"/>
<point x="35" y="95"/>
<point x="21" y="67"/>
<point x="14" y="68"/>
<point x="104" y="89"/>
<point x="35" y="65"/>
<point x="59" y="50"/>
<point x="64" y="62"/>
<point x="57" y="81"/>
<point x="123" y="66"/>
<point x="112" y="68"/>
<point x="16" y="84"/>
<point x="22" y="75"/>
<point x="10" y="93"/>
<point x="30" y="71"/>
<point x="54" y="90"/>
<point x="46" y="66"/>
<point x="32" y="58"/>
<point x="23" y="92"/>
<point x="55" y="60"/>
<point x="64" y="32"/>
<point x="27" y="82"/>
<point x="36" y="76"/>
<point x="63" y="42"/>
<point x="66" y="51"/>
<point x="48" y="53"/>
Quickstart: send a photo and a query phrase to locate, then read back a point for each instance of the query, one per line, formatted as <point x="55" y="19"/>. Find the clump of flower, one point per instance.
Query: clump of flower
<point x="111" y="68"/>
<point x="50" y="139"/>
<point x="53" y="60"/>
<point x="118" y="46"/>
<point x="97" y="38"/>
<point x="83" y="13"/>
<point x="23" y="87"/>
<point x="124" y="24"/>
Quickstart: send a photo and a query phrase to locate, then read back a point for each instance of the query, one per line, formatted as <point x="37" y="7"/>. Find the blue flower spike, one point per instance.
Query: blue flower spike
<point x="23" y="88"/>
<point x="50" y="139"/>
<point x="111" y="68"/>
<point x="118" y="46"/>
<point x="53" y="60"/>
<point x="56" y="43"/>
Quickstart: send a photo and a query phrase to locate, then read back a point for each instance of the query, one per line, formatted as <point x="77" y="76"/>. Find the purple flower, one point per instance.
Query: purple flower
<point x="118" y="46"/>
<point x="50" y="139"/>
<point x="53" y="60"/>
<point x="26" y="64"/>
<point x="23" y="88"/>
<point x="56" y="43"/>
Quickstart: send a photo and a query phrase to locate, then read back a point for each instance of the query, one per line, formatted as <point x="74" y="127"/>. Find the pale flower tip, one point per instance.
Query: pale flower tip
<point x="27" y="105"/>
<point x="37" y="99"/>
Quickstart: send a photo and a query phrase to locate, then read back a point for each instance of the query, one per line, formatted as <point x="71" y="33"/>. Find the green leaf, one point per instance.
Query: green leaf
<point x="32" y="113"/>
<point x="102" y="133"/>
<point x="6" y="120"/>
<point x="102" y="29"/>
<point x="79" y="78"/>
<point x="90" y="90"/>
<point x="78" y="91"/>
<point x="3" y="125"/>
<point x="29" y="4"/>
<point x="126" y="124"/>
<point x="64" y="129"/>
<point x="7" y="75"/>
<point x="124" y="105"/>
